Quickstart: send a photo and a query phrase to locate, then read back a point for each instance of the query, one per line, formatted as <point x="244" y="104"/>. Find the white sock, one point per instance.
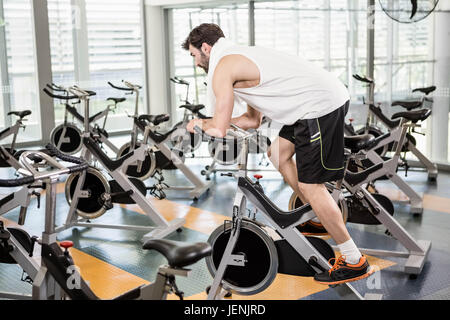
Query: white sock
<point x="350" y="251"/>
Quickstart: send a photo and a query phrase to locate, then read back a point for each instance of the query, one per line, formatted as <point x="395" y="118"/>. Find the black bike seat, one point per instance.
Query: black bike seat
<point x="155" y="119"/>
<point x="358" y="142"/>
<point x="425" y="90"/>
<point x="194" y="108"/>
<point x="20" y="114"/>
<point x="117" y="100"/>
<point x="409" y="105"/>
<point x="179" y="254"/>
<point x="414" y="116"/>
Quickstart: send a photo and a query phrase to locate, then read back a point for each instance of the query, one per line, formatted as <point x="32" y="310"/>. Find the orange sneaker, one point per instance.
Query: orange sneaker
<point x="344" y="272"/>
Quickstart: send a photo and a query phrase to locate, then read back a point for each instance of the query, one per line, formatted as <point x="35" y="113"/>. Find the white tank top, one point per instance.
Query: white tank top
<point x="290" y="87"/>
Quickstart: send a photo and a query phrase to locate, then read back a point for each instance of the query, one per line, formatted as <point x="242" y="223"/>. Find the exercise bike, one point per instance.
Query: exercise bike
<point x="245" y="258"/>
<point x="9" y="155"/>
<point x="67" y="137"/>
<point x="375" y="113"/>
<point x="160" y="156"/>
<point x="56" y="277"/>
<point x="90" y="194"/>
<point x="16" y="245"/>
<point x="363" y="207"/>
<point x="181" y="139"/>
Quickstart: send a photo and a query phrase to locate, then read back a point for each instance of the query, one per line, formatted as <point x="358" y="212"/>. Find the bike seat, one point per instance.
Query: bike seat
<point x="117" y="100"/>
<point x="194" y="108"/>
<point x="358" y="142"/>
<point x="414" y="116"/>
<point x="20" y="114"/>
<point x="155" y="119"/>
<point x="179" y="254"/>
<point x="425" y="90"/>
<point x="409" y="105"/>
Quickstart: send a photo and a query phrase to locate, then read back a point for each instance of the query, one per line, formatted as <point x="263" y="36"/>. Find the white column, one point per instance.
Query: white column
<point x="80" y="42"/>
<point x="43" y="66"/>
<point x="156" y="38"/>
<point x="441" y="105"/>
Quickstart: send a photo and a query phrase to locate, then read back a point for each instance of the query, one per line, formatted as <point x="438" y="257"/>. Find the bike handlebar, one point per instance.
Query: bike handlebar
<point x="80" y="165"/>
<point x="119" y="88"/>
<point x="57" y="96"/>
<point x="239" y="135"/>
<point x="362" y="78"/>
<point x="179" y="81"/>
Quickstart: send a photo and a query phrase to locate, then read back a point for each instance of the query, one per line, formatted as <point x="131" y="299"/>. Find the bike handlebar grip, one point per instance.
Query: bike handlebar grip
<point x="80" y="163"/>
<point x="78" y="167"/>
<point x="58" y="96"/>
<point x="8" y="183"/>
<point x="363" y="79"/>
<point x="136" y="85"/>
<point x="54" y="87"/>
<point x="119" y="88"/>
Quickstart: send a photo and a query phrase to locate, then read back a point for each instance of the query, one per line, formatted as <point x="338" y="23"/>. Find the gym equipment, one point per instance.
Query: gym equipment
<point x="188" y="143"/>
<point x="90" y="193"/>
<point x="16" y="245"/>
<point x="227" y="153"/>
<point x="375" y="113"/>
<point x="245" y="259"/>
<point x="9" y="158"/>
<point x="160" y="155"/>
<point x="8" y="155"/>
<point x="388" y="166"/>
<point x="67" y="137"/>
<point x="367" y="208"/>
<point x="56" y="277"/>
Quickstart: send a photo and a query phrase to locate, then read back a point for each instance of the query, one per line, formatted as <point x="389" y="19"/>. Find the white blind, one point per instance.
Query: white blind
<point x="114" y="34"/>
<point x="22" y="89"/>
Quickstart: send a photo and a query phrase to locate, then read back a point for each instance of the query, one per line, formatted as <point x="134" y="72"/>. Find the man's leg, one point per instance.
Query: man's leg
<point x="280" y="153"/>
<point x="326" y="209"/>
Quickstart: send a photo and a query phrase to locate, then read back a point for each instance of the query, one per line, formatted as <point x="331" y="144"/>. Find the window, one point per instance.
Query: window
<point x="114" y="38"/>
<point x="93" y="42"/>
<point x="18" y="71"/>
<point x="233" y="20"/>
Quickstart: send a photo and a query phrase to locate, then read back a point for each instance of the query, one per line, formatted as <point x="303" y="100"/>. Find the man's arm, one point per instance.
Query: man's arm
<point x="229" y="70"/>
<point x="249" y="120"/>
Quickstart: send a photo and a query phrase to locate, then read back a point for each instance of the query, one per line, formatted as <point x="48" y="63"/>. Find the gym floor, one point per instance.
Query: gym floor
<point x="114" y="262"/>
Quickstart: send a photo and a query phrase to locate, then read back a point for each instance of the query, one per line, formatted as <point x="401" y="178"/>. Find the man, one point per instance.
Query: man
<point x="311" y="104"/>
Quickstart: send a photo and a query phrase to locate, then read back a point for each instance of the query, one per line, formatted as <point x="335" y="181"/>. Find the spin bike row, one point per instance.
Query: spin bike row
<point x="90" y="194"/>
<point x="241" y="256"/>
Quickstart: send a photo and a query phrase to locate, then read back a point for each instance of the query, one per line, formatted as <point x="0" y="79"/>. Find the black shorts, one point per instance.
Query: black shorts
<point x="319" y="146"/>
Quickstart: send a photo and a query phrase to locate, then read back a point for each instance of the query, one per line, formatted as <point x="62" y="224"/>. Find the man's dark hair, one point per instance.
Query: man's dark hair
<point x="206" y="32"/>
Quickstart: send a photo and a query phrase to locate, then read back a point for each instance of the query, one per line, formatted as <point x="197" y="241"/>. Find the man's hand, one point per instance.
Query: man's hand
<point x="206" y="125"/>
<point x="194" y="122"/>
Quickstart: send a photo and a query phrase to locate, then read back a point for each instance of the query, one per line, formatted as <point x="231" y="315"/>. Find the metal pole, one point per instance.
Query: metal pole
<point x="370" y="42"/>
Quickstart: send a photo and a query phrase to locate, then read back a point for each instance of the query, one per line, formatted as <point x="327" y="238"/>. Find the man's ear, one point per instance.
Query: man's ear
<point x="206" y="48"/>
